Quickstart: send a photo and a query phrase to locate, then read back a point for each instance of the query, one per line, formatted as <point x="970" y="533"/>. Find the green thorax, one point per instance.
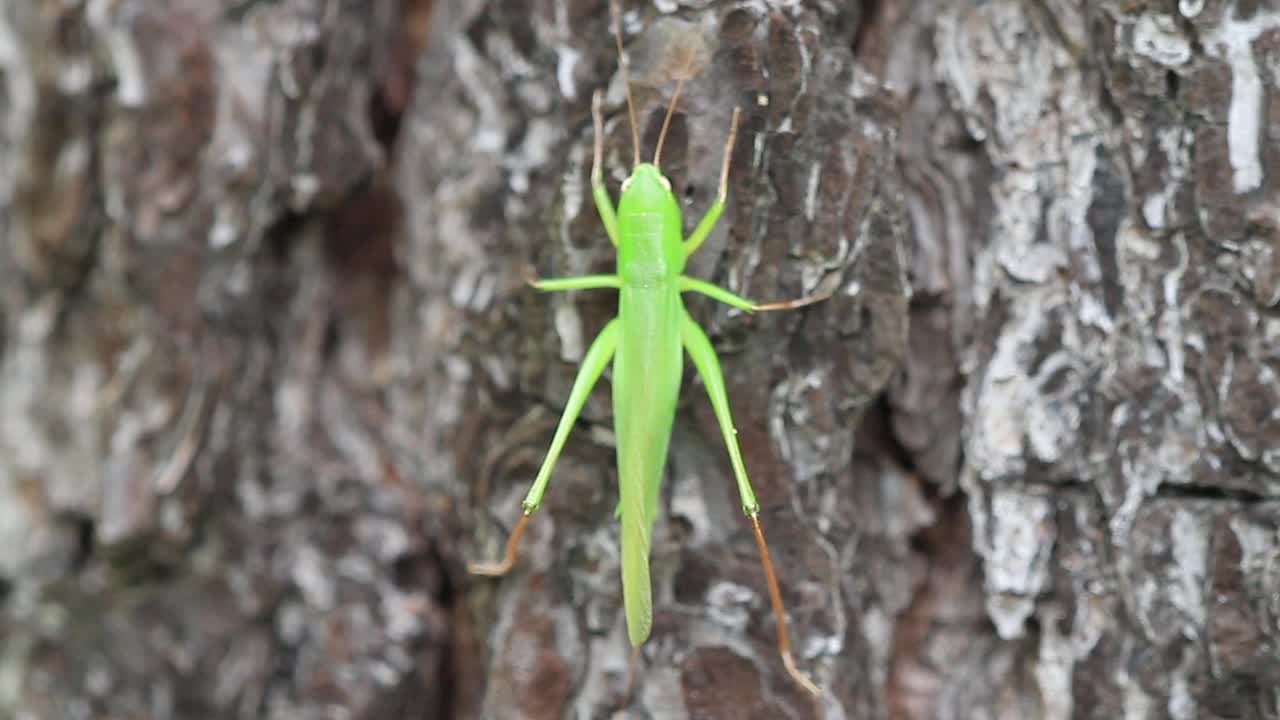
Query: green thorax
<point x="650" y="234"/>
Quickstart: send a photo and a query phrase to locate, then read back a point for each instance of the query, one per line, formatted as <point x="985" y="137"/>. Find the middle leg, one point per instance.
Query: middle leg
<point x="715" y="292"/>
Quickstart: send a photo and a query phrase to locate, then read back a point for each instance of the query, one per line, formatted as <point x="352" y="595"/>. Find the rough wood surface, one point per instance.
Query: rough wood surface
<point x="269" y="375"/>
<point x="196" y="514"/>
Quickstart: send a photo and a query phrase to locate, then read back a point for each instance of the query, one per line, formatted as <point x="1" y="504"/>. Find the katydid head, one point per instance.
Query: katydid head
<point x="647" y="188"/>
<point x="650" y="242"/>
<point x="650" y="239"/>
<point x="647" y="191"/>
<point x="650" y="231"/>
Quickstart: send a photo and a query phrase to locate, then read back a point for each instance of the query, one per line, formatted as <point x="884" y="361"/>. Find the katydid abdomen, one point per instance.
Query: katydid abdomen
<point x="646" y="380"/>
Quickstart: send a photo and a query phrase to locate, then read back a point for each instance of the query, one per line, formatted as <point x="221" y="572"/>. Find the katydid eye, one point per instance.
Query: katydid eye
<point x="666" y="185"/>
<point x="626" y="184"/>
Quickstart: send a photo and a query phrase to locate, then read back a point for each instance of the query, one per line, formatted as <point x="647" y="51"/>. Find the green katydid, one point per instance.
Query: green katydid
<point x="644" y="342"/>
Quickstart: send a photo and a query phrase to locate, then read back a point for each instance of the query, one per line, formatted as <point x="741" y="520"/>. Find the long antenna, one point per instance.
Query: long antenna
<point x="728" y="156"/>
<point x="626" y="80"/>
<point x="662" y="136"/>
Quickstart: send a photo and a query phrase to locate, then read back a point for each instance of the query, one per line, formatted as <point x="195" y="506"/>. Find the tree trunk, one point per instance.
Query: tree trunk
<point x="198" y="513"/>
<point x="270" y="375"/>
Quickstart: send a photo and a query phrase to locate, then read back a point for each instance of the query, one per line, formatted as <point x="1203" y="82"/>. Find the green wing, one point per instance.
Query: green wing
<point x="646" y="380"/>
<point x="637" y="594"/>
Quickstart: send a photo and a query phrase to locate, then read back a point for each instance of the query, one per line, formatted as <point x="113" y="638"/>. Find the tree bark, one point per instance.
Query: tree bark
<point x="197" y="513"/>
<point x="270" y="375"/>
<point x="498" y="161"/>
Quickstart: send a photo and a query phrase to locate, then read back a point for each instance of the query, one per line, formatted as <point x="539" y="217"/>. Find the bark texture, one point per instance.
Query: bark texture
<point x="498" y="161"/>
<point x="270" y="376"/>
<point x="198" y="516"/>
